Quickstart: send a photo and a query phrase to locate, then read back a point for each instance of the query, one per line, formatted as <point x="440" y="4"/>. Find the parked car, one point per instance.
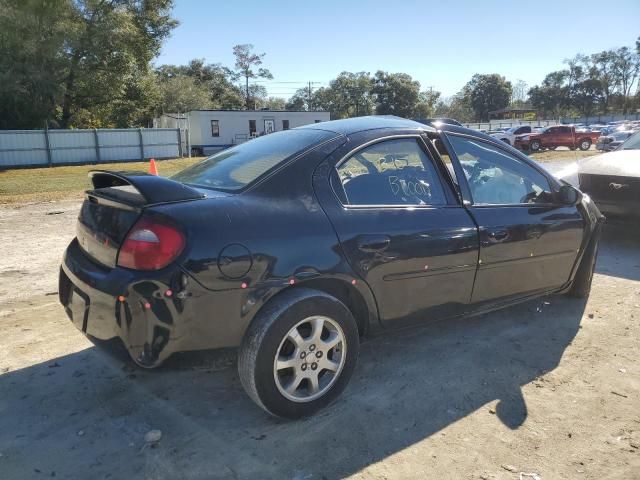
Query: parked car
<point x="510" y="134"/>
<point x="294" y="245"/>
<point x="610" y="142"/>
<point x="613" y="179"/>
<point x="556" y="136"/>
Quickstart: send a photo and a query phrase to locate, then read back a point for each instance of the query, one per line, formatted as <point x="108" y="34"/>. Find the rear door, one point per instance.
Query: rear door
<point x="402" y="228"/>
<point x="528" y="241"/>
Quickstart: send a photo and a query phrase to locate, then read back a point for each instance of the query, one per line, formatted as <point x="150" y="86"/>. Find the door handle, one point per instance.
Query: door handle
<point x="498" y="235"/>
<point x="373" y="243"/>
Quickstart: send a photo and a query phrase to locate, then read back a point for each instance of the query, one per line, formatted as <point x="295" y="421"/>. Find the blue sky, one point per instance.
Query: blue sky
<point x="441" y="44"/>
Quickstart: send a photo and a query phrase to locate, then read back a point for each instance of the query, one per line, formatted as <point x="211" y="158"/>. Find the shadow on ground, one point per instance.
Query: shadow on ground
<point x="621" y="246"/>
<point x="84" y="415"/>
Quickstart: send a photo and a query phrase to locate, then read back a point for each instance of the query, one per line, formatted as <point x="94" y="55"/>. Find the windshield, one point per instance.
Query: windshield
<point x="235" y="168"/>
<point x="632" y="143"/>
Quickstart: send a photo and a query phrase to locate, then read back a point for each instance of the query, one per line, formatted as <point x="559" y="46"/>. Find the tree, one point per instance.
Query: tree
<point x="181" y="93"/>
<point x="69" y="62"/>
<point x="216" y="79"/>
<point x="108" y="41"/>
<point x="273" y="103"/>
<point x="246" y="61"/>
<point x="519" y="94"/>
<point x="456" y="107"/>
<point x="602" y="67"/>
<point x="299" y="100"/>
<point x="626" y="70"/>
<point x="348" y="95"/>
<point x="395" y="94"/>
<point x="585" y="94"/>
<point x="31" y="37"/>
<point x="486" y="93"/>
<point x="426" y="106"/>
<point x="551" y="97"/>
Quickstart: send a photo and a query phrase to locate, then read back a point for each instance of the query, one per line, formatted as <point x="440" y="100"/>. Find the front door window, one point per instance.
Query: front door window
<point x="497" y="178"/>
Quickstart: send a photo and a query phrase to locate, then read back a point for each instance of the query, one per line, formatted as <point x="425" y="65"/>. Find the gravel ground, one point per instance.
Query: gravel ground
<point x="550" y="388"/>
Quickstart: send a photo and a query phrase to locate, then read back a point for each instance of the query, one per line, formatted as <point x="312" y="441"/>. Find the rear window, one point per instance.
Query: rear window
<point x="235" y="168"/>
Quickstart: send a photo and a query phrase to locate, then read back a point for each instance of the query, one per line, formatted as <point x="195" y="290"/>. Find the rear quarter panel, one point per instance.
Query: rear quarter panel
<point x="248" y="247"/>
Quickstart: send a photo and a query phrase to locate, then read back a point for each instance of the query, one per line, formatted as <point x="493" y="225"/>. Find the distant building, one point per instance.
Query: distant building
<point x="208" y="131"/>
<point x="514" y="114"/>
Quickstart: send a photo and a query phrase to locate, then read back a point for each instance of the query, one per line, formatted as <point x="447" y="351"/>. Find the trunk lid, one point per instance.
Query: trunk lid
<point x="116" y="202"/>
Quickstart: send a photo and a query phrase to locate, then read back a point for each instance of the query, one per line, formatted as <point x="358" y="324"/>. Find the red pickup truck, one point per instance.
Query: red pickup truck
<point x="557" y="136"/>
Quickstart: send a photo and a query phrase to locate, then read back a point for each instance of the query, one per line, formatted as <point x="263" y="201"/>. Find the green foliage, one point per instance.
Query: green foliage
<point x="486" y="93"/>
<point x="210" y="86"/>
<point x="273" y="103"/>
<point x="70" y="63"/>
<point x="457" y="107"/>
<point x="597" y="83"/>
<point x="426" y="106"/>
<point x="348" y="95"/>
<point x="246" y="63"/>
<point x="395" y="94"/>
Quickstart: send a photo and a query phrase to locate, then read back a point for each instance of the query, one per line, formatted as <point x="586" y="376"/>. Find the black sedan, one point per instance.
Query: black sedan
<point x="295" y="245"/>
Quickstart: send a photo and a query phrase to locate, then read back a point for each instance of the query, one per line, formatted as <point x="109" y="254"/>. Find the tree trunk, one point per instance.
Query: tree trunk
<point x="68" y="97"/>
<point x="247" y="94"/>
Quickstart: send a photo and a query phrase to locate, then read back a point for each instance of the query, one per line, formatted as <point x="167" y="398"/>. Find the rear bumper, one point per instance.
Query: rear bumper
<point x="154" y="314"/>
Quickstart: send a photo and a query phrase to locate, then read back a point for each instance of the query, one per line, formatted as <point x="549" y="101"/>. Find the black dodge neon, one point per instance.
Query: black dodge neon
<point x="295" y="245"/>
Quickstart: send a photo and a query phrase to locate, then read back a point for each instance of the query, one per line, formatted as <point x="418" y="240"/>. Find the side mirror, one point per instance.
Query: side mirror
<point x="568" y="195"/>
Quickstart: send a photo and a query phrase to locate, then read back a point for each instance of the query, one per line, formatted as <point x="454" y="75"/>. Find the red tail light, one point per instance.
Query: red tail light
<point x="151" y="244"/>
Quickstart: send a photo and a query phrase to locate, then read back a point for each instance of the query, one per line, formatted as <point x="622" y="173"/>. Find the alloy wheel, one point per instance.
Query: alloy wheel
<point x="310" y="359"/>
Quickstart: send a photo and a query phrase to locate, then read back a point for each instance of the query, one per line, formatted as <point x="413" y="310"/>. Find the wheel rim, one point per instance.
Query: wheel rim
<point x="535" y="146"/>
<point x="585" y="145"/>
<point x="310" y="359"/>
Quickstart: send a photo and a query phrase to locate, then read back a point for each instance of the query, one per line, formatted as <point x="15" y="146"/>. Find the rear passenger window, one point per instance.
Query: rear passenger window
<point x="392" y="172"/>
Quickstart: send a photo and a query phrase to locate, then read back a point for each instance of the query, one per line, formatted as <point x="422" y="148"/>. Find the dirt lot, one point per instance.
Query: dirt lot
<point x="550" y="388"/>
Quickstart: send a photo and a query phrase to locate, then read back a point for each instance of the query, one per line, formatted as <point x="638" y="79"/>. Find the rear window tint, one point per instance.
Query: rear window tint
<point x="235" y="168"/>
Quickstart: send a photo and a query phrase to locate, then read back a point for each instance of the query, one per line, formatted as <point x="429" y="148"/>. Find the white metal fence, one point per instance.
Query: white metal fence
<point x="22" y="148"/>
<point x="486" y="126"/>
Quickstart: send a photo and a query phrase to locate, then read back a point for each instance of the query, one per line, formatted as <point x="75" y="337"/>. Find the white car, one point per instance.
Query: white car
<point x="509" y="135"/>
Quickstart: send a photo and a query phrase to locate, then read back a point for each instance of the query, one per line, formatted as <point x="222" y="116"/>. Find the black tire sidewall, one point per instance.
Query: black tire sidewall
<point x="266" y="389"/>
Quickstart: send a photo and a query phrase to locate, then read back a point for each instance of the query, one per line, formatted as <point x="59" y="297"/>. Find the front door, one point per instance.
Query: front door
<point x="528" y="241"/>
<point x="403" y="231"/>
<point x="269" y="126"/>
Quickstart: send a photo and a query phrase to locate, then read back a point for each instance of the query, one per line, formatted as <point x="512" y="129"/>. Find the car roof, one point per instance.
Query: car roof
<point x="359" y="124"/>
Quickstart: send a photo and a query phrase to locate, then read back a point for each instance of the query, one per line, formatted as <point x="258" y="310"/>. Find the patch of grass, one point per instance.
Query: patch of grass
<point x="57" y="183"/>
<point x="564" y="155"/>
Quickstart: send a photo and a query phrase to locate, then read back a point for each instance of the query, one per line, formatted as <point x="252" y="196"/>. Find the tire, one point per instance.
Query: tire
<point x="534" y="145"/>
<point x="585" y="144"/>
<point x="268" y="337"/>
<point x="581" y="286"/>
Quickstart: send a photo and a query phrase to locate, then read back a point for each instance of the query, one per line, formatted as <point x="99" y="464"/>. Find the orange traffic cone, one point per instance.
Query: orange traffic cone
<point x="153" y="170"/>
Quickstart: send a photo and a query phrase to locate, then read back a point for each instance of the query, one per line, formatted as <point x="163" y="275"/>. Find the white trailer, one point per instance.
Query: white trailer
<point x="209" y="131"/>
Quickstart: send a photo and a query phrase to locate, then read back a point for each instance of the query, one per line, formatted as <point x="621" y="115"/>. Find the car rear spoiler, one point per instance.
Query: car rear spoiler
<point x="151" y="188"/>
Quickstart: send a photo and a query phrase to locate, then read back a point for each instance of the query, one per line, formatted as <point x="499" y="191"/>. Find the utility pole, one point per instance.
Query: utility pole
<point x="309" y="107"/>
